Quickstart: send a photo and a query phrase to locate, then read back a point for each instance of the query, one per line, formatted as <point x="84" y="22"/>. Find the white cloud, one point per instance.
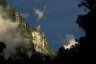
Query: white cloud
<point x="39" y="14"/>
<point x="71" y="42"/>
<point x="25" y="15"/>
<point x="38" y="27"/>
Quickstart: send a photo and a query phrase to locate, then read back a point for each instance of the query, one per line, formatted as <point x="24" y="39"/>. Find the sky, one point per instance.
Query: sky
<point x="57" y="18"/>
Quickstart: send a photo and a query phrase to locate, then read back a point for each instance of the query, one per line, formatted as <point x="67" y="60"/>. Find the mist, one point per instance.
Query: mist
<point x="12" y="38"/>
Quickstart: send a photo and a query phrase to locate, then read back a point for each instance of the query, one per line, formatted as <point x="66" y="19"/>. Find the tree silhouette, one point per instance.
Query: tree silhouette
<point x="87" y="22"/>
<point x="67" y="56"/>
<point x="89" y="4"/>
<point x="2" y="46"/>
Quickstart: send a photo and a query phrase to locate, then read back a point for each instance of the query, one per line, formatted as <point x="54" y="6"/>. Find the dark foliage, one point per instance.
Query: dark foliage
<point x="88" y="23"/>
<point x="2" y="46"/>
<point x="67" y="56"/>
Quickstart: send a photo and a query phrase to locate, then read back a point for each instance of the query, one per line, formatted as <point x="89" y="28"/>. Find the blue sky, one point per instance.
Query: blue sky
<point x="59" y="18"/>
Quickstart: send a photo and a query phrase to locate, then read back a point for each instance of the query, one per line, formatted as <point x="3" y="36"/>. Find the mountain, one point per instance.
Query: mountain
<point x="34" y="37"/>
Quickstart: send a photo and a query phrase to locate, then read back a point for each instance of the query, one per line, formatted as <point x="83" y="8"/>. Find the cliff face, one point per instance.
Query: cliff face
<point x="34" y="36"/>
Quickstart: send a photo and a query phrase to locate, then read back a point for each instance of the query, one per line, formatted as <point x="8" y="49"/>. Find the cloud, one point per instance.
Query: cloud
<point x="25" y="15"/>
<point x="71" y="42"/>
<point x="11" y="37"/>
<point x="38" y="27"/>
<point x="39" y="14"/>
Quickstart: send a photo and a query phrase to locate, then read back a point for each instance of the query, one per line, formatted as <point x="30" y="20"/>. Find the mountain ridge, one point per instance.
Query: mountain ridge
<point x="36" y="37"/>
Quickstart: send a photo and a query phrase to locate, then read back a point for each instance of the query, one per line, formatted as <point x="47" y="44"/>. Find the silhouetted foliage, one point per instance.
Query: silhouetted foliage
<point x="89" y="4"/>
<point x="88" y="23"/>
<point x="67" y="56"/>
<point x="2" y="46"/>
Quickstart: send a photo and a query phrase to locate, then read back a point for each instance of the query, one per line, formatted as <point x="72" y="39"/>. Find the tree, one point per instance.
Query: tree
<point x="89" y="4"/>
<point x="88" y="23"/>
<point x="2" y="46"/>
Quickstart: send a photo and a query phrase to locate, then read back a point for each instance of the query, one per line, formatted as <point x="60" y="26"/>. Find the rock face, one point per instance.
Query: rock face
<point x="38" y="41"/>
<point x="35" y="36"/>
